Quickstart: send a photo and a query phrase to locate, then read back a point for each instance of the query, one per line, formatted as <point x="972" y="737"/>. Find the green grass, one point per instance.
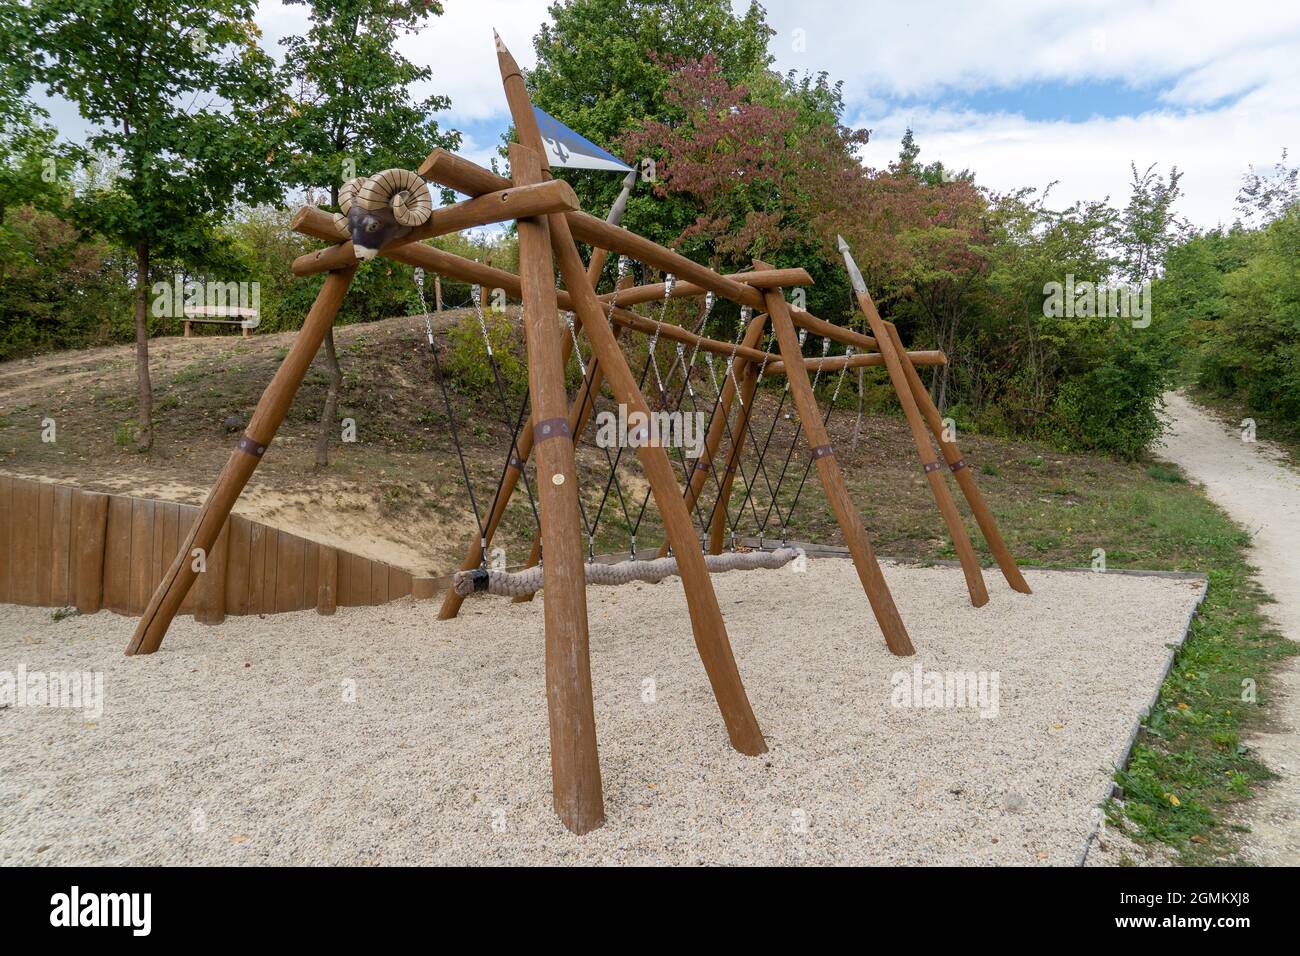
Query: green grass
<point x="1188" y="766"/>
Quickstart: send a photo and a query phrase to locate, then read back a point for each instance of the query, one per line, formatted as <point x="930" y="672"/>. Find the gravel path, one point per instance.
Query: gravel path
<point x="383" y="736"/>
<point x="1254" y="484"/>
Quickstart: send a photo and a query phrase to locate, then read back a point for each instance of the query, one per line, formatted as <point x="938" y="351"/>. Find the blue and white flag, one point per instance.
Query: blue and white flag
<point x="565" y="149"/>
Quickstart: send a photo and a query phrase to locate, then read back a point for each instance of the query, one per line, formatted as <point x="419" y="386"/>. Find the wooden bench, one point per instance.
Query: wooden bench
<point x="246" y="319"/>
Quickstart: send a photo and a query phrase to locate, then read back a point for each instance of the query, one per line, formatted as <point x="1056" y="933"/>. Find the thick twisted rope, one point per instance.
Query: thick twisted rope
<point x="528" y="581"/>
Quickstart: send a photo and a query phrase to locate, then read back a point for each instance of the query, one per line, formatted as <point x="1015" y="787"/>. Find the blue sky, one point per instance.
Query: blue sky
<point x="1023" y="92"/>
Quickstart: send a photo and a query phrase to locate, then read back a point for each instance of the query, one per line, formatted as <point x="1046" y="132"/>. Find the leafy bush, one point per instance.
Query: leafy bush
<point x="1113" y="407"/>
<point x="466" y="361"/>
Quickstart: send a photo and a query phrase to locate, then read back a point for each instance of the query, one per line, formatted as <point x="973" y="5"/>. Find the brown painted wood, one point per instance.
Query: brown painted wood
<point x="718" y="429"/>
<point x="739" y="430"/>
<point x="211" y="587"/>
<point x="117" y="555"/>
<point x="327" y="580"/>
<point x="161" y="551"/>
<point x="965" y="480"/>
<point x="310" y="575"/>
<point x="61" y="547"/>
<point x="575" y="767"/>
<point x="257" y="539"/>
<point x="186" y="515"/>
<point x="169" y="521"/>
<point x="399" y="583"/>
<point x="44" y="542"/>
<point x="239" y="556"/>
<point x="378" y="583"/>
<point x="580" y="413"/>
<point x="828" y="470"/>
<point x="6" y="538"/>
<point x="265" y="422"/>
<point x="359" y="573"/>
<point x="142" y="510"/>
<point x="424" y="588"/>
<point x="970" y="565"/>
<point x="654" y="292"/>
<point x="858" y="360"/>
<point x="289" y="572"/>
<point x="706" y="617"/>
<point x="89" y="534"/>
<point x="270" y="570"/>
<point x="500" y="206"/>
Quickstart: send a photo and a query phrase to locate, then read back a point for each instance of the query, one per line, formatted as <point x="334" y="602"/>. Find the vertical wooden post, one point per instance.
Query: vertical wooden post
<point x="970" y="565"/>
<point x="451" y="601"/>
<point x="828" y="470"/>
<point x="265" y="422"/>
<point x="575" y="766"/>
<point x="706" y="616"/>
<point x="580" y="413"/>
<point x="327" y="580"/>
<point x="717" y="429"/>
<point x="89" y="531"/>
<point x="960" y="470"/>
<point x="437" y="291"/>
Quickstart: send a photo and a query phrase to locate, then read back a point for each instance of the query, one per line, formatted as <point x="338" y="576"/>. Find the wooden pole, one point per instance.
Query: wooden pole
<point x="706" y="616"/>
<point x="270" y="412"/>
<point x="451" y="601"/>
<point x="89" y="527"/>
<point x="718" y="427"/>
<point x="718" y="527"/>
<point x="575" y="767"/>
<point x="437" y="291"/>
<point x="970" y="565"/>
<point x="580" y="412"/>
<point x="958" y="465"/>
<point x="828" y="470"/>
<point x="499" y="206"/>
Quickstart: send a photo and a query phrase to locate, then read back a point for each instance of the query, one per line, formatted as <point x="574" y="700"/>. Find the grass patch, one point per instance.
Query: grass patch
<point x="1188" y="766"/>
<point x="1167" y="473"/>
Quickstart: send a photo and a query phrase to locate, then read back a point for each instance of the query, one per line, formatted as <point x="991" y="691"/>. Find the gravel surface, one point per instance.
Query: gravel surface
<point x="382" y="736"/>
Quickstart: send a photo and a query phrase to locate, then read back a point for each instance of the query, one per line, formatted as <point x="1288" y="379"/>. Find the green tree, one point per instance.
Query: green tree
<point x="354" y="115"/>
<point x="604" y="66"/>
<point x="180" y="91"/>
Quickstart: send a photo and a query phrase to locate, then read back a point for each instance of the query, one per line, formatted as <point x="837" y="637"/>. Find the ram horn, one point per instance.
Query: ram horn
<point x="347" y="193"/>
<point x="403" y="190"/>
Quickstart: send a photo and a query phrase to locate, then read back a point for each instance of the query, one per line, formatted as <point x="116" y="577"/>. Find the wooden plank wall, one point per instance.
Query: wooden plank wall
<point x="60" y="546"/>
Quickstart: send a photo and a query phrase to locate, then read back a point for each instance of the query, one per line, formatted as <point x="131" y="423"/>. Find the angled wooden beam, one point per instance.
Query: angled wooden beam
<point x="499" y="206"/>
<point x="719" y="426"/>
<point x="857" y="360"/>
<point x="575" y="767"/>
<point x="828" y="470"/>
<point x="654" y="292"/>
<point x="960" y="469"/>
<point x="706" y="616"/>
<point x="970" y="565"/>
<point x="271" y="409"/>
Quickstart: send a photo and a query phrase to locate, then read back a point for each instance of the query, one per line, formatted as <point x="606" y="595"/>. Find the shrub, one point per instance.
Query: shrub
<point x="466" y="360"/>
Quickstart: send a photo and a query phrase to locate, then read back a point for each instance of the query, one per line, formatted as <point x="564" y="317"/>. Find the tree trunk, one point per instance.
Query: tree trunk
<point x="329" y="414"/>
<point x="144" y="388"/>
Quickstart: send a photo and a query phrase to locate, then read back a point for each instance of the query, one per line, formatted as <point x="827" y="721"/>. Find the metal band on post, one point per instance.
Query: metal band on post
<point x="550" y="428"/>
<point x="932" y="466"/>
<point x="822" y="451"/>
<point x="958" y="465"/>
<point x="250" y="446"/>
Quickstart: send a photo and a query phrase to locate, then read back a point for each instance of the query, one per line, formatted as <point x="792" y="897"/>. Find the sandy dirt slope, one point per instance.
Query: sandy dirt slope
<point x="1254" y="484"/>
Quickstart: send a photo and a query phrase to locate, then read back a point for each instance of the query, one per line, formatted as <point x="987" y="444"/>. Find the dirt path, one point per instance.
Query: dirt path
<point x="1252" y="482"/>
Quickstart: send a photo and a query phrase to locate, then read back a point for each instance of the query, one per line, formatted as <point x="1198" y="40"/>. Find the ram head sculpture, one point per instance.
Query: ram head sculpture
<point x="380" y="208"/>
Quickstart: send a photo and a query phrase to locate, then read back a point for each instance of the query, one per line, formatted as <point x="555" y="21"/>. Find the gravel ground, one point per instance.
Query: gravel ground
<point x="382" y="736"/>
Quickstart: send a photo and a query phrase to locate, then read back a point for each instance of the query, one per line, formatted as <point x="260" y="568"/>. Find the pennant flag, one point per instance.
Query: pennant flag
<point x="567" y="150"/>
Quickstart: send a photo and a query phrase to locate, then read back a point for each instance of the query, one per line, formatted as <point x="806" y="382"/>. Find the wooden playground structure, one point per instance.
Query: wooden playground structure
<point x="550" y="226"/>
